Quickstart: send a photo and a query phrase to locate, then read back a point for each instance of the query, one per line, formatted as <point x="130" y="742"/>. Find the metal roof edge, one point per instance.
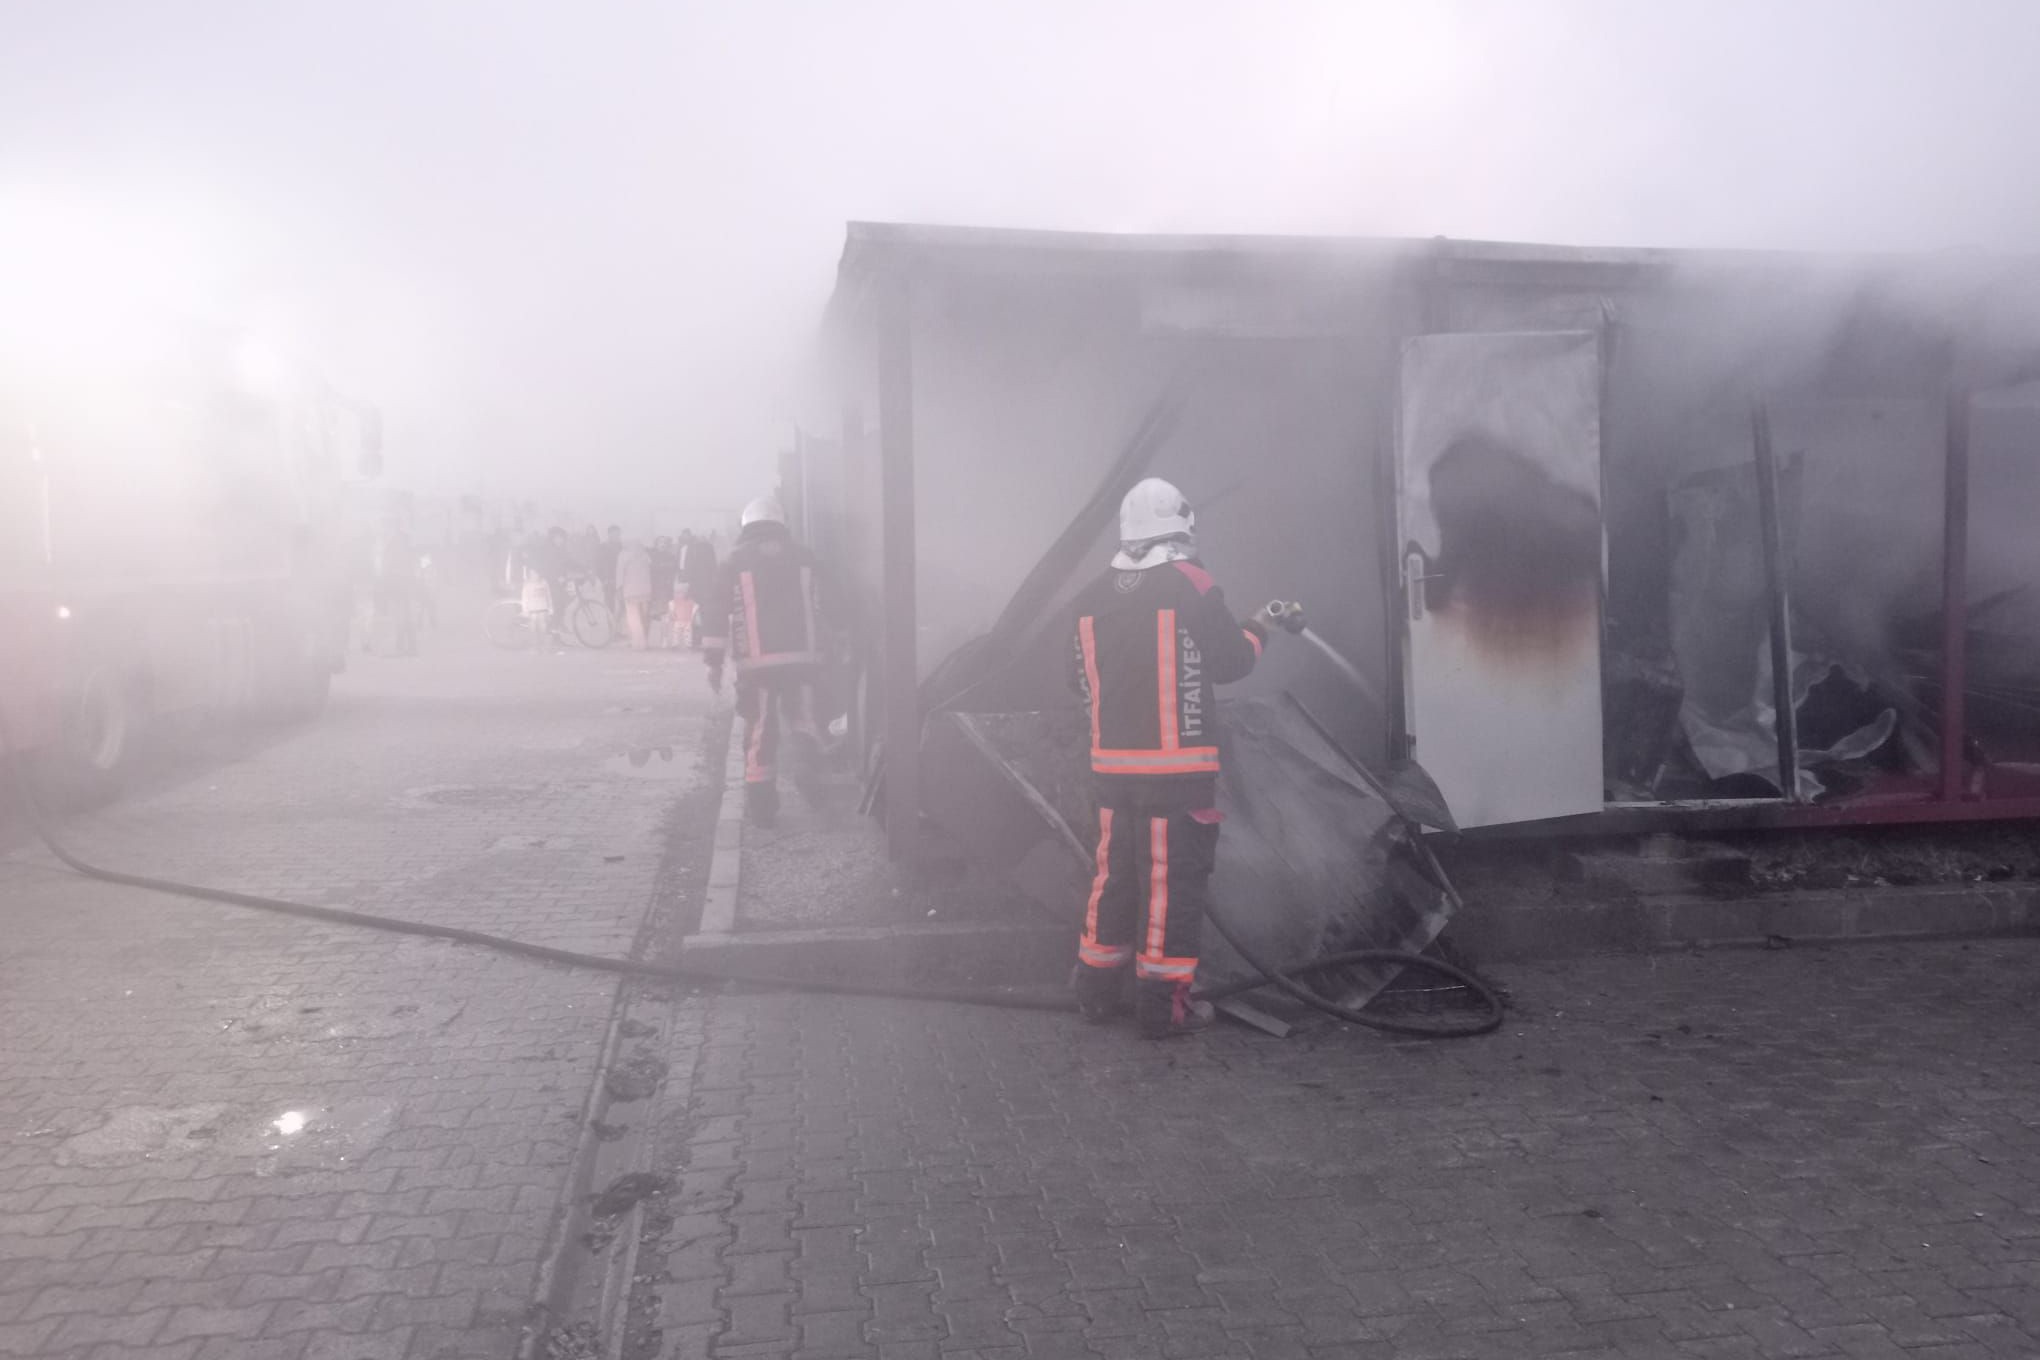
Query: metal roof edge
<point x="869" y="247"/>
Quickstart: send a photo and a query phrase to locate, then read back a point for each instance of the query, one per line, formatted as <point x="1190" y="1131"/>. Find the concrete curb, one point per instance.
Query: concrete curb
<point x="559" y="1281"/>
<point x="954" y="953"/>
<point x="1560" y="930"/>
<point x="554" y="1285"/>
<point x="726" y="856"/>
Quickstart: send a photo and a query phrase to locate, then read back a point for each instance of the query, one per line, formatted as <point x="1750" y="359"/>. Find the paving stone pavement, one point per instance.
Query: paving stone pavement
<point x="1741" y="1154"/>
<point x="224" y="1134"/>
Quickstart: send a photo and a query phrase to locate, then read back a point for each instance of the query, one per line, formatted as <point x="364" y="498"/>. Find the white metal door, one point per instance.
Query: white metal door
<point x="1498" y="479"/>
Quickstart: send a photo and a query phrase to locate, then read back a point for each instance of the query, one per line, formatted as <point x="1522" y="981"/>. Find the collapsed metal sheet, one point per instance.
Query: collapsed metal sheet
<point x="1854" y="566"/>
<point x="1312" y="859"/>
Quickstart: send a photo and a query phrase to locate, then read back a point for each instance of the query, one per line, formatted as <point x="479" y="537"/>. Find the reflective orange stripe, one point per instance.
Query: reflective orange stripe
<point x="1253" y="640"/>
<point x="1098" y="883"/>
<point x="1104" y="955"/>
<point x="1158" y="885"/>
<point x="750" y="586"/>
<point x="755" y="662"/>
<point x="756" y="771"/>
<point x="1087" y="633"/>
<point x="807" y="601"/>
<point x="1166" y="698"/>
<point x="1183" y="760"/>
<point x="1172" y="970"/>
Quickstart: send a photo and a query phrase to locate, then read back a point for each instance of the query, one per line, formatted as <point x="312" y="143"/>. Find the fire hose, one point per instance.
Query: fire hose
<point x="1284" y="979"/>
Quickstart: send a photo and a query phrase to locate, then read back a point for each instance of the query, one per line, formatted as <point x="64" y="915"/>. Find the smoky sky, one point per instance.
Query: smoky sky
<point x="589" y="242"/>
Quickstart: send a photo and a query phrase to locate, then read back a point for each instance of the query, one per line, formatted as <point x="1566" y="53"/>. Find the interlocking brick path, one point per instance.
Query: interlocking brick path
<point x="149" y="1204"/>
<point x="1804" y="1152"/>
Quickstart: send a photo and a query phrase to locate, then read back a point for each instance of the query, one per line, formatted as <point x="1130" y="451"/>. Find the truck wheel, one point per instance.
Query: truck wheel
<point x="84" y="766"/>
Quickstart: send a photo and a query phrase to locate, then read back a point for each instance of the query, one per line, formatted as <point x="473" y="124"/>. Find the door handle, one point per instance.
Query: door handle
<point x="1415" y="580"/>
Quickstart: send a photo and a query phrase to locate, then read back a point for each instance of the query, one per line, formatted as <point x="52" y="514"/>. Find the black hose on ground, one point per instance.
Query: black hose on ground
<point x="1282" y="979"/>
<point x="1484" y="1021"/>
<point x="655" y="972"/>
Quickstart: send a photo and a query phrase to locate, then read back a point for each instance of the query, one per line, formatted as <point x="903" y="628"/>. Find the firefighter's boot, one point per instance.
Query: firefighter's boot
<point x="1166" y="1009"/>
<point x="1100" y="992"/>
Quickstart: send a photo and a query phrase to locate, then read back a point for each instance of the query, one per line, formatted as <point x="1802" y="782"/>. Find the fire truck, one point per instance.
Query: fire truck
<point x="171" y="548"/>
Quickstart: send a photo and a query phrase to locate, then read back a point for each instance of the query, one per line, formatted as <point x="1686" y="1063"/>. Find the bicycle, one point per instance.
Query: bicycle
<point x="586" y="621"/>
<point x="505" y="623"/>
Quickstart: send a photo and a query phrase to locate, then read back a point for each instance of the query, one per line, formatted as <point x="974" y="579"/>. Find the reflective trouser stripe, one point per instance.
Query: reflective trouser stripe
<point x="1104" y="955"/>
<point x="1090" y="945"/>
<point x="757" y="753"/>
<point x="1152" y="864"/>
<point x="1167" y="970"/>
<point x="1158" y="890"/>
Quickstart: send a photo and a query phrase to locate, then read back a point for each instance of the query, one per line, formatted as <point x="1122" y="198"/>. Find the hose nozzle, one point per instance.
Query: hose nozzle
<point x="1287" y="613"/>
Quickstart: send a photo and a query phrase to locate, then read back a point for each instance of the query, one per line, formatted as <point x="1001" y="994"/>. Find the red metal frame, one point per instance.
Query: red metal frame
<point x="1955" y="598"/>
<point x="1951" y="798"/>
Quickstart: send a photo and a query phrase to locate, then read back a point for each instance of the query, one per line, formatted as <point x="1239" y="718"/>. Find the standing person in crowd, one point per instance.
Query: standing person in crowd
<point x="606" y="554"/>
<point x="632" y="582"/>
<point x="536" y="599"/>
<point x="687" y="593"/>
<point x="698" y="571"/>
<point x="665" y="571"/>
<point x="552" y="558"/>
<point x="763" y="611"/>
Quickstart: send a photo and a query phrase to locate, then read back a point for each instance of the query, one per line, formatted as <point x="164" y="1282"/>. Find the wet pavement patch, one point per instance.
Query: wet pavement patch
<point x="144" y="1133"/>
<point x="304" y="1137"/>
<point x="312" y="1137"/>
<point x="653" y="762"/>
<point x="274" y="1018"/>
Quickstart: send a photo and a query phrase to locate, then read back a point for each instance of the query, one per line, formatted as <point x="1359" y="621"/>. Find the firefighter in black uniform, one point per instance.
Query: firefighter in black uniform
<point x="763" y="612"/>
<point x="1153" y="637"/>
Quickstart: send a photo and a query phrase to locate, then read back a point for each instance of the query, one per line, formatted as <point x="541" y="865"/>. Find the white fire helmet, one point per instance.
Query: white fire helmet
<point x="1154" y="509"/>
<point x="764" y="510"/>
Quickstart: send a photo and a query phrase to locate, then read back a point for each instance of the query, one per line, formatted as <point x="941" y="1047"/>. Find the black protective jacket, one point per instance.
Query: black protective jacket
<point x="1150" y="646"/>
<point x="763" y="610"/>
